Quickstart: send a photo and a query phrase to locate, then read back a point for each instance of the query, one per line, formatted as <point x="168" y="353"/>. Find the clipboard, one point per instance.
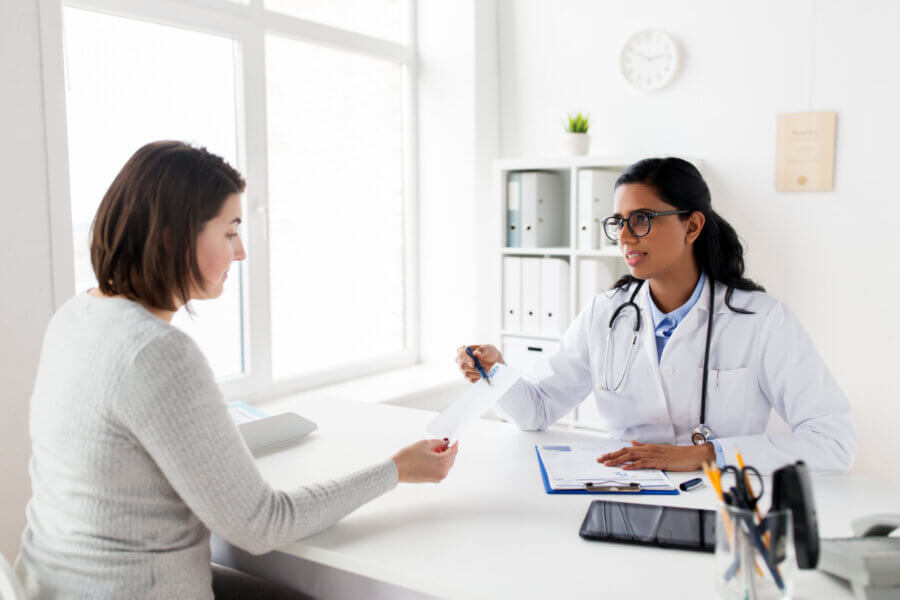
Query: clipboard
<point x="673" y="492"/>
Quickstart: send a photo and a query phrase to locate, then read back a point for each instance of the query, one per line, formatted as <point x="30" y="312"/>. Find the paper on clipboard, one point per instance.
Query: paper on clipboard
<point x="571" y="467"/>
<point x="468" y="409"/>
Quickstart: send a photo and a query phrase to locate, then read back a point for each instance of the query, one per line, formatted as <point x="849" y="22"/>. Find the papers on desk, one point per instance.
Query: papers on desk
<point x="478" y="398"/>
<point x="241" y="412"/>
<point x="569" y="468"/>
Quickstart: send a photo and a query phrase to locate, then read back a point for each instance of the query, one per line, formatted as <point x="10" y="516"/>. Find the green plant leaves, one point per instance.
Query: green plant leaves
<point x="579" y="123"/>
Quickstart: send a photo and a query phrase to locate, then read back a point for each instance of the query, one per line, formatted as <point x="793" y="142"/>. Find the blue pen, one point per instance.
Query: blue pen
<point x="478" y="366"/>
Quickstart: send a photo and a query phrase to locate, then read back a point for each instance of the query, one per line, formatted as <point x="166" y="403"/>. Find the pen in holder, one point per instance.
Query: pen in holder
<point x="754" y="560"/>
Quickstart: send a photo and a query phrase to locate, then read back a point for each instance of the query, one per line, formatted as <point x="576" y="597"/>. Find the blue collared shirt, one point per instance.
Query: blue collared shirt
<point x="664" y="326"/>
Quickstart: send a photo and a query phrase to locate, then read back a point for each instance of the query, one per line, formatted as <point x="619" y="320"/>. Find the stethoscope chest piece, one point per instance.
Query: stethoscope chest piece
<point x="701" y="434"/>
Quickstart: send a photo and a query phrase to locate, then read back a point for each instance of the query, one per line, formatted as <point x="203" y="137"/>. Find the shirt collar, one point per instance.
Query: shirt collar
<point x="676" y="316"/>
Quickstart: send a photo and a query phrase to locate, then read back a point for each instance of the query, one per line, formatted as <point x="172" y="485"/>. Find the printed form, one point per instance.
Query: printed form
<point x="571" y="467"/>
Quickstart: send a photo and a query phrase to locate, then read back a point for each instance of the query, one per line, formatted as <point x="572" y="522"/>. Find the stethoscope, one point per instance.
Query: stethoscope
<point x="701" y="434"/>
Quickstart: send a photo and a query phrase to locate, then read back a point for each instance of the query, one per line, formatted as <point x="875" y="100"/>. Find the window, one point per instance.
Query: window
<point x="335" y="205"/>
<point x="313" y="103"/>
<point x="378" y="18"/>
<point x="130" y="82"/>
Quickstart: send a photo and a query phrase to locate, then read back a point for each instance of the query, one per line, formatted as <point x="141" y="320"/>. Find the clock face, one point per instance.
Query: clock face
<point x="649" y="59"/>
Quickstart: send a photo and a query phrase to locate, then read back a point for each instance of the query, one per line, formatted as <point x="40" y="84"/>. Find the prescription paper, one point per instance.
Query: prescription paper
<point x="571" y="467"/>
<point x="458" y="416"/>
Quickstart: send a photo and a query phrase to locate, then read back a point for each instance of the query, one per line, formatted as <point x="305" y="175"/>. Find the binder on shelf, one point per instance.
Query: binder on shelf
<point x="525" y="354"/>
<point x="512" y="293"/>
<point x="596" y="188"/>
<point x="514" y="211"/>
<point x="554" y="296"/>
<point x="595" y="276"/>
<point x="543" y="210"/>
<point x="531" y="295"/>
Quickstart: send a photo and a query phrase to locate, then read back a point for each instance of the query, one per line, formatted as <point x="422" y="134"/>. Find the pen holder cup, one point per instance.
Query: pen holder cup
<point x="754" y="560"/>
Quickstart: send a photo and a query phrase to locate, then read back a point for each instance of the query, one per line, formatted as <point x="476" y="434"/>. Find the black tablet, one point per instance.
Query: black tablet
<point x="666" y="526"/>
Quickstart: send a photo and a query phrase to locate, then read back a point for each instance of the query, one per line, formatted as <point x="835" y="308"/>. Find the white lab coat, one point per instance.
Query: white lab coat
<point x="757" y="362"/>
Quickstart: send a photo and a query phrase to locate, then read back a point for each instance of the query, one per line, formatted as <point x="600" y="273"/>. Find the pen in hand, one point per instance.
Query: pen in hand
<point x="478" y="366"/>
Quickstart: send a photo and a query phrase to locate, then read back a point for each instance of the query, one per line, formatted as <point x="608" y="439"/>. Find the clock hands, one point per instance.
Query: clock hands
<point x="648" y="58"/>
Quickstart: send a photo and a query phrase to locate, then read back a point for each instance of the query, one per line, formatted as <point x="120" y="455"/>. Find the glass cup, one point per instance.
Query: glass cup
<point x="754" y="560"/>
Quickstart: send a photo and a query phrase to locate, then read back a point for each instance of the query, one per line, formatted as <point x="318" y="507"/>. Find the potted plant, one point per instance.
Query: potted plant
<point x="577" y="138"/>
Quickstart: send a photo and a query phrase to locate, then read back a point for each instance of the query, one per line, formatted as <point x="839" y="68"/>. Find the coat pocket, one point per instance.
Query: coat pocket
<point x="728" y="391"/>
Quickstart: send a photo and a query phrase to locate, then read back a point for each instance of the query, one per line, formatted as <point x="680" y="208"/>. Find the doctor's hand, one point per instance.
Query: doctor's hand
<point x="425" y="461"/>
<point x="487" y="355"/>
<point x="660" y="456"/>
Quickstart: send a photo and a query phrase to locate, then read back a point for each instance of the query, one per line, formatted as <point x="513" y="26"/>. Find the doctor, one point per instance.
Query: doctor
<point x="686" y="316"/>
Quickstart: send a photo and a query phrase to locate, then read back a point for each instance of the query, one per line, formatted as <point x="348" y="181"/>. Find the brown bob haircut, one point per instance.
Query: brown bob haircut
<point x="144" y="235"/>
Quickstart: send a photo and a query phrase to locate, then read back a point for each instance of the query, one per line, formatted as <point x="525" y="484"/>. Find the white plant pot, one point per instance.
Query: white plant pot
<point x="578" y="143"/>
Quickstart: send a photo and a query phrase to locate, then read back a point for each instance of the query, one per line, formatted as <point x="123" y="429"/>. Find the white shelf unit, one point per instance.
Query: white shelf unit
<point x="607" y="255"/>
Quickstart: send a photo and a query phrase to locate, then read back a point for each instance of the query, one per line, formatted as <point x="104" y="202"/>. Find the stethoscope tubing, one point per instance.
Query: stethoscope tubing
<point x="709" y="326"/>
<point x="637" y="327"/>
<point x="634" y="338"/>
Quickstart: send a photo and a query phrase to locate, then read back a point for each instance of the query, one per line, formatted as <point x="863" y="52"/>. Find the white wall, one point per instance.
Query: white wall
<point x="26" y="301"/>
<point x="831" y="256"/>
<point x="458" y="138"/>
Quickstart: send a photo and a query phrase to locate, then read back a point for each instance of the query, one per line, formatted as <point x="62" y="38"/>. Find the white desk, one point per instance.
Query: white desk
<point x="489" y="530"/>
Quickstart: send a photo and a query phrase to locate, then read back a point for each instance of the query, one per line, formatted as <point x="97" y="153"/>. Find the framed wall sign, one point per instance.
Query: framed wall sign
<point x="804" y="155"/>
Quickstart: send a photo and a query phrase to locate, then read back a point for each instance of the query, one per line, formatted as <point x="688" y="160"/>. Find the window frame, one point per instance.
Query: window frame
<point x="247" y="24"/>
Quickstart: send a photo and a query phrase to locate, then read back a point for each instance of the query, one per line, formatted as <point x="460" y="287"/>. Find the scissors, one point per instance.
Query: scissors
<point x="742" y="492"/>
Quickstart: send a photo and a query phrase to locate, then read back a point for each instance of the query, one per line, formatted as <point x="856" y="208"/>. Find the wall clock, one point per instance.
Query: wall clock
<point x="649" y="59"/>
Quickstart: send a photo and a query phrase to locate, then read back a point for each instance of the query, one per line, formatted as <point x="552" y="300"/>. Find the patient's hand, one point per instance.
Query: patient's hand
<point x="426" y="460"/>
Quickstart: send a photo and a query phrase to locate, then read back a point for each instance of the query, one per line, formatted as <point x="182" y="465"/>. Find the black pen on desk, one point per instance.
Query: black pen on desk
<point x="691" y="484"/>
<point x="478" y="366"/>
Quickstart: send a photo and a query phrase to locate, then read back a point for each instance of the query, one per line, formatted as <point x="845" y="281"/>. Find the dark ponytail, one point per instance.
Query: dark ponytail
<point x="717" y="249"/>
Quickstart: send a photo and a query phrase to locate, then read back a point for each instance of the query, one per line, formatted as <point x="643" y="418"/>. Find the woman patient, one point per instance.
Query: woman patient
<point x="135" y="457"/>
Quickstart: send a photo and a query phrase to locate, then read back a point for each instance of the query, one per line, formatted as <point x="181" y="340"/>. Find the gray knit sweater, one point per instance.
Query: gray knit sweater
<point x="135" y="459"/>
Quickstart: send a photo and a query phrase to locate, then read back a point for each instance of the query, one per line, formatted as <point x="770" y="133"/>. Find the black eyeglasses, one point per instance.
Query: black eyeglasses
<point x="638" y="223"/>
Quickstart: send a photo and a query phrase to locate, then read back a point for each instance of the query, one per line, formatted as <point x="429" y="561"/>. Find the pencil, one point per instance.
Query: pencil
<point x="717" y="485"/>
<point x="740" y="462"/>
<point x="715" y="478"/>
